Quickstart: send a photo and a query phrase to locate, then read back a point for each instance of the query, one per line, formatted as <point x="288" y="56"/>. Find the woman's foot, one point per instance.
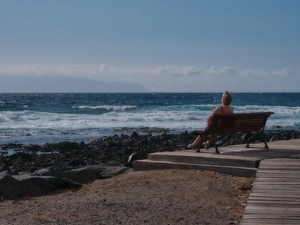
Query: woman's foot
<point x="190" y="146"/>
<point x="207" y="144"/>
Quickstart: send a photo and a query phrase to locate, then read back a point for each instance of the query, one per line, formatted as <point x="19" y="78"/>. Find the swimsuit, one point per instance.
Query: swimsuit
<point x="208" y="122"/>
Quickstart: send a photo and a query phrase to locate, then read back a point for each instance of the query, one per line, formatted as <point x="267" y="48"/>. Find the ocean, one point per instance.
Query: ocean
<point x="40" y="118"/>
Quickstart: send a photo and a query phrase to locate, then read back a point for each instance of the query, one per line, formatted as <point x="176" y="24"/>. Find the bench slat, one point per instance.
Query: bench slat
<point x="239" y="122"/>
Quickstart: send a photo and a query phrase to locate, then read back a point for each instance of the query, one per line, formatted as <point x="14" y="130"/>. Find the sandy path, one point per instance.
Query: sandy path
<point x="141" y="197"/>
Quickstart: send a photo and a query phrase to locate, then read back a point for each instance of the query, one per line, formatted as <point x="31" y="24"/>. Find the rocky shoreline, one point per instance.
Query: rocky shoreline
<point x="70" y="164"/>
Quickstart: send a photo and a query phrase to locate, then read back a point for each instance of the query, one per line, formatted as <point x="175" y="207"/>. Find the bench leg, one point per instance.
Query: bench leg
<point x="261" y="134"/>
<point x="198" y="147"/>
<point x="217" y="150"/>
<point x="266" y="146"/>
<point x="216" y="146"/>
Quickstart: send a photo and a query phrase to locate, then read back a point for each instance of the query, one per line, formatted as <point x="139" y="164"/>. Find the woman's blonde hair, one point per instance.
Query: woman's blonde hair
<point x="227" y="98"/>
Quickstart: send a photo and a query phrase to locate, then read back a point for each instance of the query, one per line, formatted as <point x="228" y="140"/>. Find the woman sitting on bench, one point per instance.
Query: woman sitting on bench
<point x="224" y="109"/>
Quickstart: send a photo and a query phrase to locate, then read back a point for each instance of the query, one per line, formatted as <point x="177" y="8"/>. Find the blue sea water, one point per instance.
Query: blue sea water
<point x="39" y="118"/>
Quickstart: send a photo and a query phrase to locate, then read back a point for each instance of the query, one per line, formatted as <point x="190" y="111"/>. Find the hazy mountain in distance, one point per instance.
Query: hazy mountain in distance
<point x="17" y="83"/>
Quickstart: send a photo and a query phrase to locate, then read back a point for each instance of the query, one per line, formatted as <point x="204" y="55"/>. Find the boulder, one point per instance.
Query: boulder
<point x="43" y="172"/>
<point x="60" y="167"/>
<point x="5" y="167"/>
<point x="80" y="175"/>
<point x="9" y="186"/>
<point x="77" y="162"/>
<point x="90" y="173"/>
<point x="70" y="184"/>
<point x="37" y="185"/>
<point x="14" y="186"/>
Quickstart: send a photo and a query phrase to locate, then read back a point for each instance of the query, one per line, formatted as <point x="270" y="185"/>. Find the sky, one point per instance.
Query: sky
<point x="150" y="45"/>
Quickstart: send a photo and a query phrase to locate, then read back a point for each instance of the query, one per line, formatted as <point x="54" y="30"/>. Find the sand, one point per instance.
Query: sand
<point x="138" y="197"/>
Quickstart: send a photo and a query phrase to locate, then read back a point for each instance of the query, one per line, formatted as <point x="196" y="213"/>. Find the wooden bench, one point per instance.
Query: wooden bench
<point x="234" y="123"/>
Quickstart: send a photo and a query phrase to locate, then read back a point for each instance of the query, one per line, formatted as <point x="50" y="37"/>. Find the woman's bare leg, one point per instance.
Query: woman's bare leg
<point x="197" y="141"/>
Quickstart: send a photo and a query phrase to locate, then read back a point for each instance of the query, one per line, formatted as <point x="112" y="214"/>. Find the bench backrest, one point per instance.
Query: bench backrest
<point x="238" y="122"/>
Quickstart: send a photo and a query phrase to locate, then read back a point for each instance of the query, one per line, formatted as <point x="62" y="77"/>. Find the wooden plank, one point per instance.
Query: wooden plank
<point x="276" y="182"/>
<point x="281" y="161"/>
<point x="279" y="171"/>
<point x="273" y="175"/>
<point x="272" y="195"/>
<point x="269" y="221"/>
<point x="282" y="203"/>
<point x="282" y="165"/>
<point x="278" y="179"/>
<point x="274" y="190"/>
<point x="288" y="199"/>
<point x="275" y="195"/>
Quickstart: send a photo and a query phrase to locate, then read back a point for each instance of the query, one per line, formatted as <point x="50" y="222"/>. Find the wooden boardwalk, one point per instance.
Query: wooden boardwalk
<point x="275" y="195"/>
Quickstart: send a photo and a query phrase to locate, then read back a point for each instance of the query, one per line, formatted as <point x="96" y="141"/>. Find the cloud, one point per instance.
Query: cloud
<point x="221" y="71"/>
<point x="159" y="78"/>
<point x="284" y="72"/>
<point x="103" y="69"/>
<point x="62" y="69"/>
<point x="192" y="70"/>
<point x="276" y="73"/>
<point x="179" y="71"/>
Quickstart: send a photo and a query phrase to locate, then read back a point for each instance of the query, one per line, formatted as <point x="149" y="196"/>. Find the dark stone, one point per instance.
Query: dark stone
<point x="60" y="167"/>
<point x="9" y="186"/>
<point x="77" y="163"/>
<point x="12" y="186"/>
<point x="90" y="173"/>
<point x="69" y="159"/>
<point x="32" y="148"/>
<point x="70" y="184"/>
<point x="274" y="138"/>
<point x="134" y="135"/>
<point x="246" y="136"/>
<point x="12" y="146"/>
<point x="144" y="141"/>
<point x="43" y="172"/>
<point x="92" y="162"/>
<point x="5" y="167"/>
<point x="14" y="171"/>
<point x="37" y="185"/>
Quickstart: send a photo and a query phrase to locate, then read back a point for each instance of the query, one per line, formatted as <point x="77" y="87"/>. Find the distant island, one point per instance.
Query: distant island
<point x="64" y="84"/>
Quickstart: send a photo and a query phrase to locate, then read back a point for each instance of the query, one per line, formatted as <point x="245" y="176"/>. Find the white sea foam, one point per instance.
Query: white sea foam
<point x="108" y="107"/>
<point x="43" y="120"/>
<point x="44" y="126"/>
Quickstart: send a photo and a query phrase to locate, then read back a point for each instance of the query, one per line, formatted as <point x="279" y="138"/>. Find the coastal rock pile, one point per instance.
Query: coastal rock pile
<point x="69" y="164"/>
<point x="45" y="180"/>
